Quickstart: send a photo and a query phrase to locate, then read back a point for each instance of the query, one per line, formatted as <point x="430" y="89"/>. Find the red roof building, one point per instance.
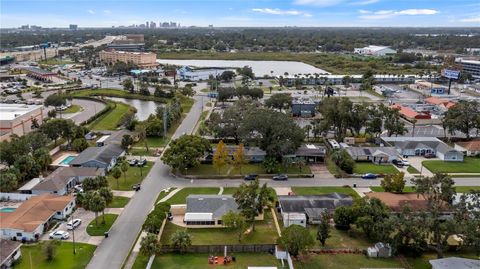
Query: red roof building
<point x="411" y="114"/>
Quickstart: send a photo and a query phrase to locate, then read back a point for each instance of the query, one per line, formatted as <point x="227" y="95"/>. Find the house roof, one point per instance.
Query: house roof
<point x="455" y="262"/>
<point x="470" y="145"/>
<point x="396" y="201"/>
<point x="406" y="111"/>
<point x="7" y="247"/>
<point x="371" y="151"/>
<point x="59" y="178"/>
<point x="218" y="205"/>
<point x="299" y="203"/>
<point x="34" y="212"/>
<point x="404" y="142"/>
<point x="249" y="151"/>
<point x="310" y="150"/>
<point x="101" y="154"/>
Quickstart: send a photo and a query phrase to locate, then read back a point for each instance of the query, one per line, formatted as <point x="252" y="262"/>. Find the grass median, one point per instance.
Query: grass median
<point x="99" y="230"/>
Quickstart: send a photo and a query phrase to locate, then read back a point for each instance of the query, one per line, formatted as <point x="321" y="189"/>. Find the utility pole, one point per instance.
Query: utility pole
<point x="73" y="236"/>
<point x="165" y="126"/>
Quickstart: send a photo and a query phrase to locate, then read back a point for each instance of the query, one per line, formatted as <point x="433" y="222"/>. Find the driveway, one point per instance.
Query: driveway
<point x="416" y="162"/>
<point x="321" y="171"/>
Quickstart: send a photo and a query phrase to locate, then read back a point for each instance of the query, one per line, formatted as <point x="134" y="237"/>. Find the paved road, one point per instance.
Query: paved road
<point x="90" y="108"/>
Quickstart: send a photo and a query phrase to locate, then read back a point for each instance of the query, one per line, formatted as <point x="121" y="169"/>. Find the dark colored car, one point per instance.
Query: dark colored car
<point x="142" y="162"/>
<point x="369" y="176"/>
<point x="429" y="155"/>
<point x="132" y="162"/>
<point x="280" y="177"/>
<point x="169" y="216"/>
<point x="136" y="187"/>
<point x="251" y="177"/>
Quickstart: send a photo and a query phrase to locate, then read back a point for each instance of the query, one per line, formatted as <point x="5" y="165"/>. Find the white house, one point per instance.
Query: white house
<point x="32" y="218"/>
<point x="374" y="50"/>
<point x="99" y="157"/>
<point x="470" y="148"/>
<point x="420" y="146"/>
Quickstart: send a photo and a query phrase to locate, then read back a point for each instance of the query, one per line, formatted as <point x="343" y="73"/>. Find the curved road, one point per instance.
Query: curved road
<point x="113" y="251"/>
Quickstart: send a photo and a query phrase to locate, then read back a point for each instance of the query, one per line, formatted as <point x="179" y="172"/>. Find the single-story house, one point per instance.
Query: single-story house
<point x="419" y="146"/>
<point x="99" y="157"/>
<point x="397" y="201"/>
<point x="62" y="180"/>
<point x="470" y="148"/>
<point x="454" y="262"/>
<point x="410" y="114"/>
<point x="32" y="218"/>
<point x="311" y="206"/>
<point x="252" y="154"/>
<point x="10" y="252"/>
<point x="311" y="153"/>
<point x="208" y="209"/>
<point x="373" y="154"/>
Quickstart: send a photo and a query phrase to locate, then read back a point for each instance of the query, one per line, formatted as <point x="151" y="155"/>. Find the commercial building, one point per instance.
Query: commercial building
<point x="189" y="74"/>
<point x="419" y="146"/>
<point x="410" y="114"/>
<point x="374" y="50"/>
<point x="34" y="216"/>
<point x="471" y="67"/>
<point x="19" y="118"/>
<point x="208" y="209"/>
<point x="142" y="59"/>
<point x="38" y="73"/>
<point x="431" y="87"/>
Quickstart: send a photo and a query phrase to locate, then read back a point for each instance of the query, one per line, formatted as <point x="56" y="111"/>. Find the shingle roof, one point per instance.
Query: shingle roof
<point x="59" y="178"/>
<point x="404" y="142"/>
<point x="7" y="247"/>
<point x="218" y="205"/>
<point x="298" y="203"/>
<point x="102" y="154"/>
<point x="455" y="262"/>
<point x="371" y="151"/>
<point x="310" y="150"/>
<point x="34" y="211"/>
<point x="470" y="145"/>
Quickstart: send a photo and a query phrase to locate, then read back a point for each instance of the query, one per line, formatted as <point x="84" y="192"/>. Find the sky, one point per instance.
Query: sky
<point x="316" y="13"/>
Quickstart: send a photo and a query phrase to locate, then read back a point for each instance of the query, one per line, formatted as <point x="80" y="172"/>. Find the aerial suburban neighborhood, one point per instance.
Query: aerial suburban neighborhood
<point x="310" y="134"/>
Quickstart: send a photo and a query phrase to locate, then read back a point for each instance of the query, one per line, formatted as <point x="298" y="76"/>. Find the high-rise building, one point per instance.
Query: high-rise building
<point x="147" y="24"/>
<point x="153" y="24"/>
<point x="73" y="27"/>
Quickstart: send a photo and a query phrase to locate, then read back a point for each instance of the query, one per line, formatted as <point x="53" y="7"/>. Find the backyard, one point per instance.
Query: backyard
<point x="133" y="176"/>
<point x="34" y="257"/>
<point x="366" y="167"/>
<point x="341" y="239"/>
<point x="469" y="165"/>
<point x="180" y="196"/>
<point x="100" y="229"/>
<point x="324" y="190"/>
<point x="111" y="119"/>
<point x="265" y="233"/>
<point x="345" y="261"/>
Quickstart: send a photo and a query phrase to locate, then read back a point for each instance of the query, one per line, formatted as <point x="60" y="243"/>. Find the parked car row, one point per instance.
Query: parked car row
<point x="276" y="177"/>
<point x="135" y="162"/>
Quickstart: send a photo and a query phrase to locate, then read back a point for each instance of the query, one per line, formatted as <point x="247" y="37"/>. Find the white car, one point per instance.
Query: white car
<point x="59" y="235"/>
<point x="73" y="224"/>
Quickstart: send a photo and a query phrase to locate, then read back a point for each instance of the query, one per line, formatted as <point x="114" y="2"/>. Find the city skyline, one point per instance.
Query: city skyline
<point x="302" y="13"/>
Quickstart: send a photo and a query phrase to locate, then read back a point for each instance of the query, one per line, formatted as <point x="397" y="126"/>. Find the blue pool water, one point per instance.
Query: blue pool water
<point x="7" y="209"/>
<point x="67" y="160"/>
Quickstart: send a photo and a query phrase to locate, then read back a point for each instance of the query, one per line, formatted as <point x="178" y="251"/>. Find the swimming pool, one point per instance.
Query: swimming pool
<point x="67" y="160"/>
<point x="7" y="209"/>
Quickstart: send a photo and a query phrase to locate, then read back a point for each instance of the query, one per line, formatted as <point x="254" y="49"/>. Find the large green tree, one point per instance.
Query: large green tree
<point x="295" y="239"/>
<point x="149" y="245"/>
<point x="279" y="101"/>
<point x="236" y="222"/>
<point x="463" y="116"/>
<point x="185" y="152"/>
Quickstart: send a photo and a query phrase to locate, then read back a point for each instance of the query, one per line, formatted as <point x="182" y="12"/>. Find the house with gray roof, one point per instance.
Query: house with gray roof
<point x="252" y="154"/>
<point x="455" y="262"/>
<point x="312" y="206"/>
<point x="208" y="209"/>
<point x="311" y="153"/>
<point x="62" y="180"/>
<point x="420" y="146"/>
<point x="99" y="157"/>
<point x="377" y="155"/>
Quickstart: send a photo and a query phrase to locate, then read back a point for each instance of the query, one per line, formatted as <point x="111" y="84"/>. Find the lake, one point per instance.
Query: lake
<point x="144" y="108"/>
<point x="260" y="68"/>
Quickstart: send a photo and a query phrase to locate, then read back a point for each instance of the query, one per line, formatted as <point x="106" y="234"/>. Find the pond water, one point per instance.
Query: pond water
<point x="144" y="108"/>
<point x="260" y="68"/>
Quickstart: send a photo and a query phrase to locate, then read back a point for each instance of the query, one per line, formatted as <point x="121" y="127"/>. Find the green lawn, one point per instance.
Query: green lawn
<point x="163" y="194"/>
<point x="405" y="189"/>
<point x="463" y="189"/>
<point x="412" y="170"/>
<point x="180" y="196"/>
<point x="228" y="170"/>
<point x="134" y="175"/>
<point x="141" y="151"/>
<point x="365" y="167"/>
<point x="72" y="109"/>
<point x="200" y="261"/>
<point x="324" y="190"/>
<point x="118" y="202"/>
<point x="94" y="230"/>
<point x="111" y="119"/>
<point x="33" y="257"/>
<point x="341" y="239"/>
<point x="345" y="261"/>
<point x="469" y="165"/>
<point x="265" y="233"/>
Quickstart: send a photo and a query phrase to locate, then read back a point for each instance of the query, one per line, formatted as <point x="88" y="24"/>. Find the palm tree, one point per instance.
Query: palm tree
<point x="181" y="240"/>
<point x="96" y="204"/>
<point x="107" y="195"/>
<point x="124" y="167"/>
<point x="116" y="174"/>
<point x="142" y="134"/>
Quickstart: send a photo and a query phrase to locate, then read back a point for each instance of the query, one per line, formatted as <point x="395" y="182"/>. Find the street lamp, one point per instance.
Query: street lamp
<point x="73" y="236"/>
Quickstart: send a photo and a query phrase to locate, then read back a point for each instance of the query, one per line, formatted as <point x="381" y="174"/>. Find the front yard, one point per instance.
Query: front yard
<point x="134" y="175"/>
<point x="33" y="256"/>
<point x="469" y="165"/>
<point x="366" y="167"/>
<point x="100" y="229"/>
<point x="324" y="190"/>
<point x="118" y="202"/>
<point x="180" y="196"/>
<point x="200" y="261"/>
<point x="265" y="233"/>
<point x="228" y="170"/>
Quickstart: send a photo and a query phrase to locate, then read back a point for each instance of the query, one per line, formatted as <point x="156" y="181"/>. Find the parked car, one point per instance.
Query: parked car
<point x="280" y="177"/>
<point x="169" y="216"/>
<point x="73" y="224"/>
<point x="369" y="176"/>
<point x="136" y="187"/>
<point x="398" y="163"/>
<point x="78" y="189"/>
<point x="142" y="162"/>
<point x="251" y="177"/>
<point x="132" y="162"/>
<point x="429" y="155"/>
<point x="60" y="235"/>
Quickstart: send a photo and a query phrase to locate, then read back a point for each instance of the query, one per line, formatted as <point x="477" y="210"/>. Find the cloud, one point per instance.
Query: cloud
<point x="321" y="3"/>
<point x="474" y="19"/>
<point x="277" y="11"/>
<point x="107" y="11"/>
<point x="385" y="14"/>
<point x="91" y="11"/>
<point x="364" y="3"/>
